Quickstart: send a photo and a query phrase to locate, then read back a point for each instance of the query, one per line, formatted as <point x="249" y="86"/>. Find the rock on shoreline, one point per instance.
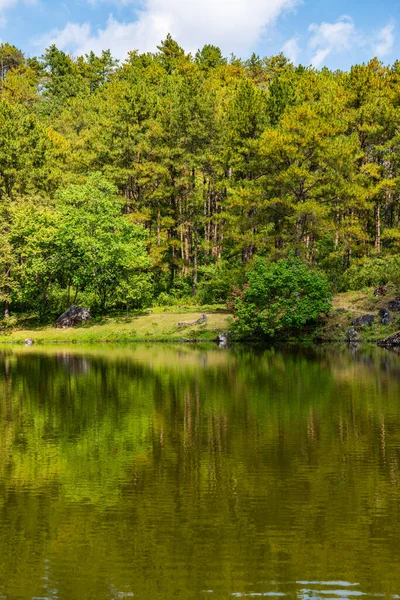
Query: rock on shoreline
<point x="393" y="341"/>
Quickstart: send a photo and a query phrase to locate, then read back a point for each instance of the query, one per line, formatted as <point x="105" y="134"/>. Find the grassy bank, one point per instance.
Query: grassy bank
<point x="161" y="324"/>
<point x="351" y="305"/>
<point x="157" y="326"/>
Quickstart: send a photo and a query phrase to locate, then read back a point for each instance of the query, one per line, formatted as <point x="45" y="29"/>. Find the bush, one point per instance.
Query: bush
<point x="279" y="296"/>
<point x="135" y="293"/>
<point x="372" y="272"/>
<point x="216" y="282"/>
<point x="164" y="299"/>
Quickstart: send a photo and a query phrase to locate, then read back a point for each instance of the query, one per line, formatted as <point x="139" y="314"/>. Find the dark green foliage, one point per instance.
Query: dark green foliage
<point x="217" y="282"/>
<point x="210" y="57"/>
<point x="10" y="58"/>
<point x="279" y="296"/>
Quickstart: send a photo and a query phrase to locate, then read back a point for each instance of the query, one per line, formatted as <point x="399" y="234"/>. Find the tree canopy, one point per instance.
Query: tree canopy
<point x="198" y="166"/>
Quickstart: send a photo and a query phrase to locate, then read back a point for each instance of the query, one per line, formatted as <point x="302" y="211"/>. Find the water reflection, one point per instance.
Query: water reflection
<point x="165" y="472"/>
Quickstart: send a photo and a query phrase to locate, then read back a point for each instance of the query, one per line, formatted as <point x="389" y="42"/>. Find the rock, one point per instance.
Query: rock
<point x="29" y="342"/>
<point x="393" y="341"/>
<point x="382" y="290"/>
<point x="364" y="320"/>
<point x="352" y="335"/>
<point x="73" y="316"/>
<point x="385" y="317"/>
<point x="223" y="340"/>
<point x="394" y="304"/>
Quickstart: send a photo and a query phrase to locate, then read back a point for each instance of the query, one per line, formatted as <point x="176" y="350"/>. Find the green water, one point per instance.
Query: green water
<point x="182" y="473"/>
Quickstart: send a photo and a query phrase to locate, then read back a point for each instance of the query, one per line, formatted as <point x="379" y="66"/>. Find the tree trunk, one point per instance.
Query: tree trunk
<point x="337" y="220"/>
<point x="195" y="259"/>
<point x="378" y="226"/>
<point x="158" y="228"/>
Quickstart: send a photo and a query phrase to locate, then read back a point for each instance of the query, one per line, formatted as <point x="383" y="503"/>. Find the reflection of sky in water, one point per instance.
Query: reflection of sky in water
<point x="306" y="593"/>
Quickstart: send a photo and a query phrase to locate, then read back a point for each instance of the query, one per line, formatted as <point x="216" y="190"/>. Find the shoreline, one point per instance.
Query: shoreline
<point x="179" y="325"/>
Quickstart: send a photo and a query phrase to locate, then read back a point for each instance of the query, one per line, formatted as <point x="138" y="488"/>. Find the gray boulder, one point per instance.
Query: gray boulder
<point x="393" y="341"/>
<point x="73" y="316"/>
<point x="385" y="317"/>
<point x="352" y="335"/>
<point x="394" y="304"/>
<point x="223" y="340"/>
<point x="29" y="342"/>
<point x="364" y="320"/>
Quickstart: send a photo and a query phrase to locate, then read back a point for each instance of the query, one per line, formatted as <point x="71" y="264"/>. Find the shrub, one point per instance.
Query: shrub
<point x="279" y="296"/>
<point x="372" y="272"/>
<point x="164" y="299"/>
<point x="216" y="282"/>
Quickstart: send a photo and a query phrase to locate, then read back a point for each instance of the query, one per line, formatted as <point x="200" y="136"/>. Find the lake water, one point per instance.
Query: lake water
<point x="181" y="473"/>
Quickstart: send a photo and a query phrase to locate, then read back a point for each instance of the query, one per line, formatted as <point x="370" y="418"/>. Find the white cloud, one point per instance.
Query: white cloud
<point x="234" y="25"/>
<point x="332" y="37"/>
<point x="292" y="50"/>
<point x="384" y="40"/>
<point x="71" y="36"/>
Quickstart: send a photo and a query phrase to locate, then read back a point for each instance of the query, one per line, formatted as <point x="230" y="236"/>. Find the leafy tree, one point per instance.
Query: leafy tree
<point x="279" y="296"/>
<point x="98" y="248"/>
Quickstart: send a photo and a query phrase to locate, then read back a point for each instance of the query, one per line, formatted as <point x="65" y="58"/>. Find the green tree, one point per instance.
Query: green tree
<point x="210" y="57"/>
<point x="279" y="296"/>
<point x="99" y="249"/>
<point x="10" y="58"/>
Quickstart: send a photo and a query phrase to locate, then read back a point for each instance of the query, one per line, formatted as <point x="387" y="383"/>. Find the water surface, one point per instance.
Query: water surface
<point x="180" y="473"/>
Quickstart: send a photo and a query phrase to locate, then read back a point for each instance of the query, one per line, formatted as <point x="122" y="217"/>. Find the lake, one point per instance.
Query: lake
<point x="179" y="473"/>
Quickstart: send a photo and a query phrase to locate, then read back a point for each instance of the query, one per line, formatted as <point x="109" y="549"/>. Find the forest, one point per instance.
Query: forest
<point x="168" y="176"/>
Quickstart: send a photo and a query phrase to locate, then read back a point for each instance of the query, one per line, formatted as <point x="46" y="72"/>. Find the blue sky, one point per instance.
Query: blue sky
<point x="319" y="32"/>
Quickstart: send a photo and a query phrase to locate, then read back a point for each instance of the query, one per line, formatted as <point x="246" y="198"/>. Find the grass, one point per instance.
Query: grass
<point x="161" y="324"/>
<point x="350" y="305"/>
<point x="157" y="326"/>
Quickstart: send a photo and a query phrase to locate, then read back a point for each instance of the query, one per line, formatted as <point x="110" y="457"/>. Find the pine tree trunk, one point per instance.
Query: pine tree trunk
<point x="205" y="195"/>
<point x="158" y="228"/>
<point x="195" y="259"/>
<point x="337" y="219"/>
<point x="378" y="226"/>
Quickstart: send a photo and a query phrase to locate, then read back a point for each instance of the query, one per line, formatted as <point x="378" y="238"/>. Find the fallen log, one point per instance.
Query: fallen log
<point x="201" y="321"/>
